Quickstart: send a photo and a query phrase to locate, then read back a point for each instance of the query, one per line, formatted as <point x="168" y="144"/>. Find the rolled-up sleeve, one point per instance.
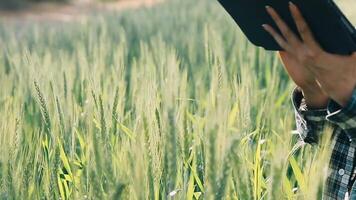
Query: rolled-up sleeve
<point x="344" y="117"/>
<point x="310" y="123"/>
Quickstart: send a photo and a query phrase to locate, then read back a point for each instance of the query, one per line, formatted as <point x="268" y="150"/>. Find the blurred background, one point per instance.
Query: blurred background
<point x="146" y="99"/>
<point x="63" y="10"/>
<point x="349" y="9"/>
<point x="66" y="10"/>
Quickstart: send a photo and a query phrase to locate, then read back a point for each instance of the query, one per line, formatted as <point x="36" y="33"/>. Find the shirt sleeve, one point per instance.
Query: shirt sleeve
<point x="344" y="117"/>
<point x="310" y="123"/>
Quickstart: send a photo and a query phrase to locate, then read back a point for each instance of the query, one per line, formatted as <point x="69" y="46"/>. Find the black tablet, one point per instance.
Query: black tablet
<point x="329" y="25"/>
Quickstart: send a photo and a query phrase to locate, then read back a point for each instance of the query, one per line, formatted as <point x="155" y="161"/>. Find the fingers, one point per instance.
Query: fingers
<point x="277" y="37"/>
<point x="283" y="27"/>
<point x="302" y="26"/>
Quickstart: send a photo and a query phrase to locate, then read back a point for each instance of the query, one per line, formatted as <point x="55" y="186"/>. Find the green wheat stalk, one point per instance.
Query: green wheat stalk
<point x="102" y="118"/>
<point x="60" y="117"/>
<point x="114" y="114"/>
<point x="44" y="109"/>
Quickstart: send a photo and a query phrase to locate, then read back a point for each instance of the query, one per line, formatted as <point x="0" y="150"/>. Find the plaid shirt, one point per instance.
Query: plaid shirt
<point x="310" y="126"/>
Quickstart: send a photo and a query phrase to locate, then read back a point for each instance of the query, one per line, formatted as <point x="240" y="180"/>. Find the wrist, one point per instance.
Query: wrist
<point x="343" y="93"/>
<point x="315" y="98"/>
<point x="341" y="90"/>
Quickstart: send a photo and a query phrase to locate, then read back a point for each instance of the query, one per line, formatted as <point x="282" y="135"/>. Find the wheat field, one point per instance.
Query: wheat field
<point x="168" y="102"/>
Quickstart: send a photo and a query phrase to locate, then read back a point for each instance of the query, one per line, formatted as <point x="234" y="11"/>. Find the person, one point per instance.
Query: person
<point x="325" y="94"/>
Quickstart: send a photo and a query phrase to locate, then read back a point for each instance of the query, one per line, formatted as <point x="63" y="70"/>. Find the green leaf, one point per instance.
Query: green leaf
<point x="298" y="174"/>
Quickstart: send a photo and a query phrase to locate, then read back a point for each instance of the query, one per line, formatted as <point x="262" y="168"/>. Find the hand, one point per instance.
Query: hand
<point x="334" y="73"/>
<point x="315" y="98"/>
<point x="301" y="75"/>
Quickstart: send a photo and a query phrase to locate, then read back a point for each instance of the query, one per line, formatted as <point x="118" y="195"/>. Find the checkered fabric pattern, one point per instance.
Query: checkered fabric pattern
<point x="310" y="126"/>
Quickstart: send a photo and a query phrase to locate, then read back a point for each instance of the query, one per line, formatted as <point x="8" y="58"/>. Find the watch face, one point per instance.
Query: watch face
<point x="348" y="7"/>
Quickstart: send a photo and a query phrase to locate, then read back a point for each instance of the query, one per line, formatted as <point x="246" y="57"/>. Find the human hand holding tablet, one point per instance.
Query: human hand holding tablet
<point x="327" y="56"/>
<point x="333" y="73"/>
<point x="331" y="29"/>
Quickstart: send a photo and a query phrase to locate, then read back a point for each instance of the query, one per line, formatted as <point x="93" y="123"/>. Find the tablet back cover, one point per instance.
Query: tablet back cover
<point x="331" y="29"/>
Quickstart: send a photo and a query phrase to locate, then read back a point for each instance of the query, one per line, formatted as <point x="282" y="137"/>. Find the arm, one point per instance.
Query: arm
<point x="335" y="74"/>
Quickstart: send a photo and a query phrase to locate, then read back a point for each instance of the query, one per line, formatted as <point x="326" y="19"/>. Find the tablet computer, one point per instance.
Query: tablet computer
<point x="330" y="27"/>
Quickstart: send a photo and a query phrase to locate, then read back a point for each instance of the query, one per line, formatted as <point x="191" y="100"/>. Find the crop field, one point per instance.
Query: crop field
<point x="168" y="102"/>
